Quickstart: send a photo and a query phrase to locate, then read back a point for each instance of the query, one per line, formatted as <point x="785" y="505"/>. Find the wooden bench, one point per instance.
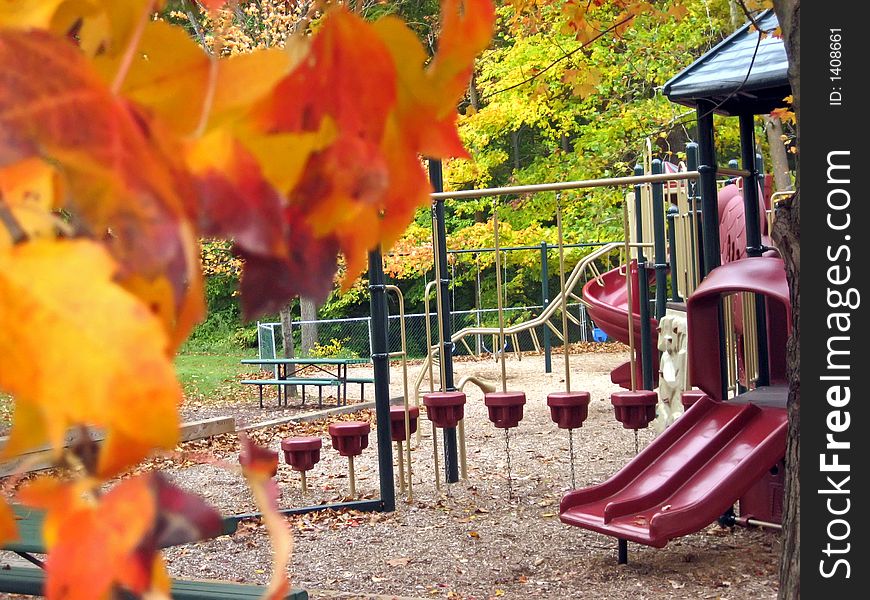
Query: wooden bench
<point x="30" y="581"/>
<point x="281" y="384"/>
<point x="362" y="381"/>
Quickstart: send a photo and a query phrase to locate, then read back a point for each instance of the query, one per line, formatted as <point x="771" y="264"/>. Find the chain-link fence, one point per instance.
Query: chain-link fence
<point x="352" y="336"/>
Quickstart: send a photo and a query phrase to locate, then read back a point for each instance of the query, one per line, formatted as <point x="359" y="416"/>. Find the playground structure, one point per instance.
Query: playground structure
<point x="720" y="259"/>
<point x="686" y="236"/>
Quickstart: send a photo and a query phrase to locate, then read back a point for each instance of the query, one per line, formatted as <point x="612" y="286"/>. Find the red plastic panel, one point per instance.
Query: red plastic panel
<point x="568" y="409"/>
<point x="445" y="409"/>
<point x="397" y="421"/>
<point x="350" y="438"/>
<point x="607" y="305"/>
<point x="505" y="408"/>
<point x="689" y="397"/>
<point x="635" y="410"/>
<point x="762" y="275"/>
<point x="763" y="500"/>
<point x="687" y="477"/>
<point x="301" y="453"/>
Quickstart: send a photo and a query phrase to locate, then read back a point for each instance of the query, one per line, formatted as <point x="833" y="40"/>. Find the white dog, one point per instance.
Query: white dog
<point x="672" y="370"/>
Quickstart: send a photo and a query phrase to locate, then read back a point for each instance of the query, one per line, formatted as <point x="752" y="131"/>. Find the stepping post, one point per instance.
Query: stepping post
<point x="350" y="438"/>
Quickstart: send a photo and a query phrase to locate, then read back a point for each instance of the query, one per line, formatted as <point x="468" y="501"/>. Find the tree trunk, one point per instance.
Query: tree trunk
<point x="310" y="336"/>
<point x="473" y="96"/>
<point x="778" y="156"/>
<point x="786" y="233"/>
<point x="287" y="334"/>
<point x="515" y="143"/>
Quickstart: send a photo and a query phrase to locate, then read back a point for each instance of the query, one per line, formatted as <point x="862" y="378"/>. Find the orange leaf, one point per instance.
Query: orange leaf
<point x="102" y="354"/>
<point x="112" y="539"/>
<point x="8" y="528"/>
<point x="259" y="466"/>
<point x="120" y="171"/>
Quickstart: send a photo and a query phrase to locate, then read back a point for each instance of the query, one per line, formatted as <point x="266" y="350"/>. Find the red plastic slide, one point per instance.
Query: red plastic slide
<point x="687" y="477"/>
<point x="607" y="305"/>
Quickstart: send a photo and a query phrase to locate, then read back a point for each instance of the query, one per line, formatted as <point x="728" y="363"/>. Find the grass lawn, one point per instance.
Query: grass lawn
<point x="207" y="374"/>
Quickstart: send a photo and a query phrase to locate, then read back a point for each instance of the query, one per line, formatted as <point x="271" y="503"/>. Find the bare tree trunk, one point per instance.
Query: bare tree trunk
<point x="287" y="334"/>
<point x="310" y="336"/>
<point x="786" y="233"/>
<point x="473" y="96"/>
<point x="515" y="142"/>
<point x="778" y="155"/>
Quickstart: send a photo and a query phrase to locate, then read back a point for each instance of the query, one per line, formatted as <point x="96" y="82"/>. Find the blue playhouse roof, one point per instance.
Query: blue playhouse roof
<point x="728" y="76"/>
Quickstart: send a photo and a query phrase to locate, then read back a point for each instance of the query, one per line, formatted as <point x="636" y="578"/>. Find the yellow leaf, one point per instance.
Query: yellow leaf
<point x="30" y="188"/>
<point x="174" y="77"/>
<point x="78" y="349"/>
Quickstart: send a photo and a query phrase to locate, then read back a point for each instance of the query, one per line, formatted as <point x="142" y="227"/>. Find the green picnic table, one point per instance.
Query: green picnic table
<point x="31" y="581"/>
<point x="332" y="372"/>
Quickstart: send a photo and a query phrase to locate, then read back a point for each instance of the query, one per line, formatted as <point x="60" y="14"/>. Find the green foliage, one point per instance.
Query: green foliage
<point x="548" y="108"/>
<point x="222" y="330"/>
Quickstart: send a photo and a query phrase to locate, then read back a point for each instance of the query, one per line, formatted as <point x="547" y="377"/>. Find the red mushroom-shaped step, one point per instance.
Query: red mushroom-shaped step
<point x="350" y="438"/>
<point x="302" y="453"/>
<point x="445" y="409"/>
<point x="568" y="409"/>
<point x="689" y="397"/>
<point x="505" y="408"/>
<point x="635" y="410"/>
<point x="397" y="421"/>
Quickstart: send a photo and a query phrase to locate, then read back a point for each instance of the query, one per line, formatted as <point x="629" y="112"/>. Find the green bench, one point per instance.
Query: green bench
<point x="30" y="581"/>
<point x="281" y="384"/>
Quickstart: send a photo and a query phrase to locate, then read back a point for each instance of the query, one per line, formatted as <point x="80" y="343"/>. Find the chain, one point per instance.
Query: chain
<point x="507" y="449"/>
<point x="636" y="443"/>
<point x="571" y="452"/>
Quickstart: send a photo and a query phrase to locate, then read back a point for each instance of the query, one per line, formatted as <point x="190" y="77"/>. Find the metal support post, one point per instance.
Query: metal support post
<point x="381" y="367"/>
<point x="753" y="235"/>
<point x="545" y="301"/>
<point x="710" y="216"/>
<point x="661" y="265"/>
<point x="451" y="456"/>
<point x="694" y="198"/>
<point x="673" y="211"/>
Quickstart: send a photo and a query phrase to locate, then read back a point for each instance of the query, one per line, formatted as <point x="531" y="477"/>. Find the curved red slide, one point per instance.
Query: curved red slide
<point x="687" y="477"/>
<point x="607" y="305"/>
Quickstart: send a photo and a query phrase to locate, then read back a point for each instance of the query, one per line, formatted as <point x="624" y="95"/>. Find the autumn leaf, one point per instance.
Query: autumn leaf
<point x="8" y="528"/>
<point x="99" y="359"/>
<point x="113" y="539"/>
<point x="93" y="539"/>
<point x="259" y="466"/>
<point x="121" y="180"/>
<point x="173" y="78"/>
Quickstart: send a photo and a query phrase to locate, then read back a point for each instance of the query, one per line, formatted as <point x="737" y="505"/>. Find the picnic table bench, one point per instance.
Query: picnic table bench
<point x="331" y="372"/>
<point x="31" y="580"/>
<point x="300" y="381"/>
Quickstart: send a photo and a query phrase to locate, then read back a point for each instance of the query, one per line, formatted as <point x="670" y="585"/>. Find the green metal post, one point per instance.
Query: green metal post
<point x="545" y="301"/>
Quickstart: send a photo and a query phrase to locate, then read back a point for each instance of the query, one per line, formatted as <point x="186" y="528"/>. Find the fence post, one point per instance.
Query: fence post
<point x="545" y="301"/>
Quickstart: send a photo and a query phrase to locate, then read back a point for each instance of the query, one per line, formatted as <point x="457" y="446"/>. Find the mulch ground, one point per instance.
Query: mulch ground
<point x="487" y="536"/>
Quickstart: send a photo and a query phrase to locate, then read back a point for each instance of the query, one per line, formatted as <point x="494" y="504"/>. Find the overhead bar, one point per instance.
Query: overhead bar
<point x="565" y="185"/>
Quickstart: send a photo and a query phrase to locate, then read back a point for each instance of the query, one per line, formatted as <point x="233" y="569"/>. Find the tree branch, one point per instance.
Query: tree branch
<point x="560" y="59"/>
